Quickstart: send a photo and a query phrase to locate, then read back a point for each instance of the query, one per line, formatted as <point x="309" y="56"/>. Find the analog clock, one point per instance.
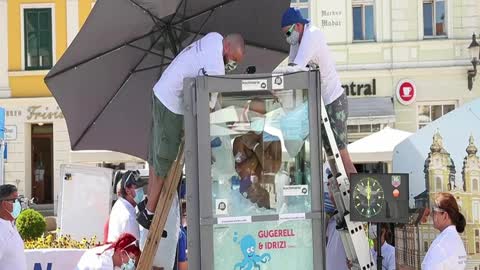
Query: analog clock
<point x="368" y="197"/>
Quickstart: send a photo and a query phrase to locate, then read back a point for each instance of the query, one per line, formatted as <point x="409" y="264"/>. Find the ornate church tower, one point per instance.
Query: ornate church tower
<point x="439" y="168"/>
<point x="471" y="168"/>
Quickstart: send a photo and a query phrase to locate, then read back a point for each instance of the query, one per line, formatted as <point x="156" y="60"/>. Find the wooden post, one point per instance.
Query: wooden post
<point x="161" y="212"/>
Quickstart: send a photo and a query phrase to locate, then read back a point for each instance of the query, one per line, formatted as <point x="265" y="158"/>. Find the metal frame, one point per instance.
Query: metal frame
<point x="197" y="116"/>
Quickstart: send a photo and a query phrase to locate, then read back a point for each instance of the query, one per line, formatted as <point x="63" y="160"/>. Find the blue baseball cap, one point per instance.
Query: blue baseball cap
<point x="293" y="16"/>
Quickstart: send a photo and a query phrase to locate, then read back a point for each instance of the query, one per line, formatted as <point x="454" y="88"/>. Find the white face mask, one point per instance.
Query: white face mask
<point x="293" y="38"/>
<point x="230" y="66"/>
<point x="130" y="265"/>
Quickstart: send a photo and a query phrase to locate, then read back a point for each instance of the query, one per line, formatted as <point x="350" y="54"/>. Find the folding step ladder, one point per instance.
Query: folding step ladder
<point x="353" y="234"/>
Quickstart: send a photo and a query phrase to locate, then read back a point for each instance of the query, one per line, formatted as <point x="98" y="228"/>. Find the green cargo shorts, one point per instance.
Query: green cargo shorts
<point x="337" y="113"/>
<point x="166" y="135"/>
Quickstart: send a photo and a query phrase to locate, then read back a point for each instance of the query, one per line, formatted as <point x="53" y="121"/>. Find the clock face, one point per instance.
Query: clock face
<point x="368" y="197"/>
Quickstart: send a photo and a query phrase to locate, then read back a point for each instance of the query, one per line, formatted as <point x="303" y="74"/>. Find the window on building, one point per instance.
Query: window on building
<point x="363" y="20"/>
<point x="438" y="184"/>
<point x="477" y="247"/>
<point x="476" y="233"/>
<point x="430" y="112"/>
<point x="38" y="38"/>
<point x="303" y="6"/>
<point x="425" y="246"/>
<point x="366" y="128"/>
<point x="476" y="211"/>
<point x="434" y="18"/>
<point x="475" y="185"/>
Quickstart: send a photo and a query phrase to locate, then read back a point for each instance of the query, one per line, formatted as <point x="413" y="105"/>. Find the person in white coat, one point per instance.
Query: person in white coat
<point x="122" y="254"/>
<point x="123" y="215"/>
<point x="447" y="251"/>
<point x="387" y="250"/>
<point x="12" y="255"/>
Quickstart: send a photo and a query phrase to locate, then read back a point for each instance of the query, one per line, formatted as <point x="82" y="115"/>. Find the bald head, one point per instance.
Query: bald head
<point x="233" y="48"/>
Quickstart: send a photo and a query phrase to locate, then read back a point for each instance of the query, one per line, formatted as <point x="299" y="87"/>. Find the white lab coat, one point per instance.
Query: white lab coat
<point x="336" y="259"/>
<point x="122" y="220"/>
<point x="388" y="256"/>
<point x="447" y="252"/>
<point x="96" y="259"/>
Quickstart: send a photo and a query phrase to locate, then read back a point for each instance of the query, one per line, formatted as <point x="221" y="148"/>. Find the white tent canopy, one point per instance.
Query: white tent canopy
<point x="377" y="147"/>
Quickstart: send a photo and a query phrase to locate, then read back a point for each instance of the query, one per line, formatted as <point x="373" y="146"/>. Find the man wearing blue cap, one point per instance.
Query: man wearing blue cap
<point x="308" y="47"/>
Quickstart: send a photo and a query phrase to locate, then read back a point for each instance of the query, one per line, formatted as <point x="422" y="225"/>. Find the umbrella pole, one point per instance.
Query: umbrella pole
<point x="161" y="212"/>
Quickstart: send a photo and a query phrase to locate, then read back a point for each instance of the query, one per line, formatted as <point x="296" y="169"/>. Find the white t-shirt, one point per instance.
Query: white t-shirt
<point x="336" y="259"/>
<point x="388" y="255"/>
<point x="96" y="259"/>
<point x="206" y="53"/>
<point x="313" y="49"/>
<point x="12" y="255"/>
<point x="122" y="220"/>
<point x="447" y="252"/>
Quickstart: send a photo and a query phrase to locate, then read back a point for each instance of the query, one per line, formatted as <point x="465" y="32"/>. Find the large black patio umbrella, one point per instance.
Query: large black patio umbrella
<point x="103" y="83"/>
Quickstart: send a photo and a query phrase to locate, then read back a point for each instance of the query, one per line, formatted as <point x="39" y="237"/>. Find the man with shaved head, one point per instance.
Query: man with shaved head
<point x="211" y="55"/>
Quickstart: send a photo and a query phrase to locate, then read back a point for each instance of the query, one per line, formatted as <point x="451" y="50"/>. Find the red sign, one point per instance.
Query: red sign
<point x="406" y="92"/>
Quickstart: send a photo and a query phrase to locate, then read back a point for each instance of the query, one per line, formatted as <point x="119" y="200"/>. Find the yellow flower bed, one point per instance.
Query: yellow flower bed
<point x="64" y="241"/>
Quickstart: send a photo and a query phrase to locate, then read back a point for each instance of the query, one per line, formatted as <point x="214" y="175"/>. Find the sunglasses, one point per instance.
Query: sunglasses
<point x="134" y="243"/>
<point x="437" y="209"/>
<point x="290" y="30"/>
<point x="14" y="200"/>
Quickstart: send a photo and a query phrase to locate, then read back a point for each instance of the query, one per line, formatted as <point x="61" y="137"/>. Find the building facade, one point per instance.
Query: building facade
<point x="403" y="64"/>
<point x="33" y="36"/>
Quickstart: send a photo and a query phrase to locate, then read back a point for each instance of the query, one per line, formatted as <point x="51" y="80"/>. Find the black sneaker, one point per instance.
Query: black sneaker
<point x="145" y="220"/>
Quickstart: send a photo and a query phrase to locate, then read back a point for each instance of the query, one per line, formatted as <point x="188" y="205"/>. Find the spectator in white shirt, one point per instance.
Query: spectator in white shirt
<point x="308" y="46"/>
<point x="12" y="255"/>
<point x="123" y="216"/>
<point x="387" y="250"/>
<point x="447" y="250"/>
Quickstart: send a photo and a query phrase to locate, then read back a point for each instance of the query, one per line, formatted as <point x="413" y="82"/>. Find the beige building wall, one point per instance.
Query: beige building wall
<point x="437" y="66"/>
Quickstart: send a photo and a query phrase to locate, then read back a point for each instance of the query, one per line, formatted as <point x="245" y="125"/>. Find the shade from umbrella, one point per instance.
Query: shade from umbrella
<point x="103" y="83"/>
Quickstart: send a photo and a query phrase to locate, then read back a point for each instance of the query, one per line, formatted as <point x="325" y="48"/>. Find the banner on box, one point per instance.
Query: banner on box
<point x="264" y="245"/>
<point x="53" y="259"/>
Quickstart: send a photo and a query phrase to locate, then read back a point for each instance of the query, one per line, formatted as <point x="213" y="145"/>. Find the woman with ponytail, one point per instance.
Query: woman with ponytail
<point x="447" y="250"/>
<point x="122" y="254"/>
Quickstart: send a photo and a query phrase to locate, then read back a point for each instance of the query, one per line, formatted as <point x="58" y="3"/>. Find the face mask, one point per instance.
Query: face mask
<point x="293" y="38"/>
<point x="130" y="265"/>
<point x="139" y="195"/>
<point x="17" y="208"/>
<point x="230" y="66"/>
<point x="257" y="124"/>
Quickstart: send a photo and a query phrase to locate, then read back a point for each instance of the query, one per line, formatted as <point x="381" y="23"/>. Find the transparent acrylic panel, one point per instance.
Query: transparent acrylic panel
<point x="264" y="245"/>
<point x="260" y="154"/>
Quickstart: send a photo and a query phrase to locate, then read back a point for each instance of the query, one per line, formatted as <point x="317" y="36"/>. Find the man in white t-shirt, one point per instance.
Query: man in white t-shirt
<point x="308" y="46"/>
<point x="12" y="255"/>
<point x="211" y="55"/>
<point x="123" y="217"/>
